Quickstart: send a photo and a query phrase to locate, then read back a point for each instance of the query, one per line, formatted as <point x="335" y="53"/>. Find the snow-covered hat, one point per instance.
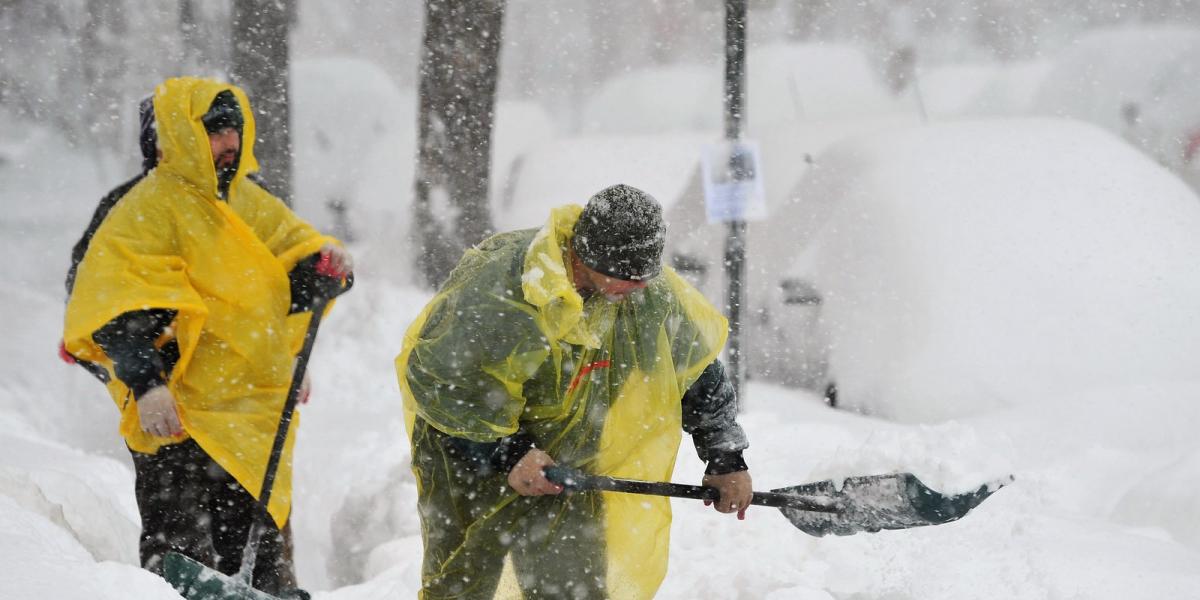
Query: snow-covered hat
<point x="621" y="233"/>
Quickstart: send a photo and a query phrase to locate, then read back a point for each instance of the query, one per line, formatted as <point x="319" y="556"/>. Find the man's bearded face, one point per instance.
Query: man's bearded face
<point x="225" y="145"/>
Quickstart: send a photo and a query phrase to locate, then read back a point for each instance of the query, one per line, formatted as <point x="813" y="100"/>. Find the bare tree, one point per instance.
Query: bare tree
<point x="260" y="65"/>
<point x="458" y="75"/>
<point x="205" y="37"/>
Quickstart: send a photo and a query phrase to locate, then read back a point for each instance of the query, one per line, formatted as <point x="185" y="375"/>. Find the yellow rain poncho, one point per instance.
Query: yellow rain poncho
<point x="222" y="266"/>
<point x="509" y="345"/>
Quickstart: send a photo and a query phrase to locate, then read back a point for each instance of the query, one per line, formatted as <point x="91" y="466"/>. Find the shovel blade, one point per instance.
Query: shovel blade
<point x="195" y="581"/>
<point x="878" y="502"/>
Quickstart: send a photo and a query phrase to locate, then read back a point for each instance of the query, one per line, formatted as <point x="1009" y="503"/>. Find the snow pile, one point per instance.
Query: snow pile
<point x="656" y="100"/>
<point x="1010" y="91"/>
<point x="1107" y="69"/>
<point x="78" y="492"/>
<point x="355" y="139"/>
<point x="571" y="170"/>
<point x="785" y="82"/>
<point x="971" y="267"/>
<point x="947" y="90"/>
<point x="796" y="82"/>
<point x="1050" y="534"/>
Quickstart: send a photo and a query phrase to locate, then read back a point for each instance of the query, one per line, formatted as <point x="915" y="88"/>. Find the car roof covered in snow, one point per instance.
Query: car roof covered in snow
<point x="982" y="264"/>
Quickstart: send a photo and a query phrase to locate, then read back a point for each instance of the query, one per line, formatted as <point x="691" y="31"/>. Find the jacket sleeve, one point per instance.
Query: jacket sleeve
<point x="128" y="340"/>
<point x="485" y="458"/>
<point x="710" y="416"/>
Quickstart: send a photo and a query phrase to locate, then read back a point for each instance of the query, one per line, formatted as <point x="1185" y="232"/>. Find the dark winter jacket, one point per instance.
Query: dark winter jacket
<point x="148" y="142"/>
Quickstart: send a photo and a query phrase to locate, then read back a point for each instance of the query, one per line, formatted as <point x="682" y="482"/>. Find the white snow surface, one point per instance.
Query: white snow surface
<point x="1107" y="68"/>
<point x="660" y="165"/>
<point x="1049" y="257"/>
<point x="1106" y="467"/>
<point x="785" y="82"/>
<point x="355" y="144"/>
<point x="1010" y="91"/>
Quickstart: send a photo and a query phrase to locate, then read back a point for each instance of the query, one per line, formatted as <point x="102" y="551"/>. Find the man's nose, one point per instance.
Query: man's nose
<point x="228" y="136"/>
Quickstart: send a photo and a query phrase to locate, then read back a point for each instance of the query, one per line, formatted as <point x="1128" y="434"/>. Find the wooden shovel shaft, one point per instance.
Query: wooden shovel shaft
<point x="573" y="479"/>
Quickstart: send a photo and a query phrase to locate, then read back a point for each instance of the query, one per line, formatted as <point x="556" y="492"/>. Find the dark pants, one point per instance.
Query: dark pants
<point x="192" y="506"/>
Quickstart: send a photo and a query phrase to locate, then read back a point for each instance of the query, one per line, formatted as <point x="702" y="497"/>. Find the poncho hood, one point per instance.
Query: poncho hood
<point x="179" y="104"/>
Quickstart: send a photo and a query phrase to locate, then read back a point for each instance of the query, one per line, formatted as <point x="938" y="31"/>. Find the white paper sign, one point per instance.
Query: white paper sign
<point x="733" y="182"/>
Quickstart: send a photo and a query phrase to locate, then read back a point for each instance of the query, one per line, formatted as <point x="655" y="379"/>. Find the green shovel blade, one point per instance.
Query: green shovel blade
<point x="195" y="581"/>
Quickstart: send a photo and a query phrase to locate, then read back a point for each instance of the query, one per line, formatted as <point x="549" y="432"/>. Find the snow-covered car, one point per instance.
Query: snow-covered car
<point x="782" y="342"/>
<point x="571" y="170"/>
<point x="981" y="265"/>
<point x="1142" y="83"/>
<point x="1010" y="90"/>
<point x="785" y="82"/>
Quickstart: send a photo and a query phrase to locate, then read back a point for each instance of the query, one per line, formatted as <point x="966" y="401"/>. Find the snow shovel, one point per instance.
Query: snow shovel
<point x="871" y="503"/>
<point x="192" y="579"/>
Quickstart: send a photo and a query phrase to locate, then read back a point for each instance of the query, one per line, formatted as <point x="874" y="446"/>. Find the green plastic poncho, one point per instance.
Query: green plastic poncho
<point x="509" y="345"/>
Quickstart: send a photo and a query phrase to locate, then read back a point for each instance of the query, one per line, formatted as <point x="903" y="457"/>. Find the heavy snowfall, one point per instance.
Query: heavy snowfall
<point x="992" y="259"/>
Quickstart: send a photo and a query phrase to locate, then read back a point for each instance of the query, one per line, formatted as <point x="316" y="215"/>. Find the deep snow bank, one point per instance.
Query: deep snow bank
<point x="979" y="265"/>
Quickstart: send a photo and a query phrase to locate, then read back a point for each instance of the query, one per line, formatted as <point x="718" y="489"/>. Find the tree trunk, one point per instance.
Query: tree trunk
<point x="192" y="59"/>
<point x="260" y="66"/>
<point x="458" y="75"/>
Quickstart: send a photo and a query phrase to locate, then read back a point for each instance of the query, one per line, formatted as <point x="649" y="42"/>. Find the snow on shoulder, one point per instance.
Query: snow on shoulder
<point x="980" y="265"/>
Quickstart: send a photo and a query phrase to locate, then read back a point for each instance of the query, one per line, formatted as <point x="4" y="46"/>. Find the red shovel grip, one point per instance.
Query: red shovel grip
<point x="63" y="354"/>
<point x="325" y="267"/>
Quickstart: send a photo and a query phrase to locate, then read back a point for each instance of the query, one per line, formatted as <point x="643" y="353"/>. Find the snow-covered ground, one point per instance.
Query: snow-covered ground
<point x="1105" y="502"/>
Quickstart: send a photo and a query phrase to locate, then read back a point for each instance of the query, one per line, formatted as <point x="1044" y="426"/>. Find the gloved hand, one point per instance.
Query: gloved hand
<point x="157" y="413"/>
<point x="527" y="478"/>
<point x="319" y="277"/>
<point x="340" y="261"/>
<point x="736" y="491"/>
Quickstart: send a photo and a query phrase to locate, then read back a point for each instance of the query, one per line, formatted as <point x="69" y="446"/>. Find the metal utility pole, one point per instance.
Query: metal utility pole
<point x="735" y="241"/>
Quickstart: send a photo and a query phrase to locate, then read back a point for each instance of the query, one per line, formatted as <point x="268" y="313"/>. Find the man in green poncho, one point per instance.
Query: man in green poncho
<point x="569" y="344"/>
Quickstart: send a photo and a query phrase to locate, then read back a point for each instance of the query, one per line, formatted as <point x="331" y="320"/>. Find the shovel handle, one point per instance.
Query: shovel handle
<point x="573" y="479"/>
<point x="330" y="289"/>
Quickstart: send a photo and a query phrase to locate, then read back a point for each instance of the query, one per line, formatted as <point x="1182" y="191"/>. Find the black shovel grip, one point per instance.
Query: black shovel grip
<point x="573" y="479"/>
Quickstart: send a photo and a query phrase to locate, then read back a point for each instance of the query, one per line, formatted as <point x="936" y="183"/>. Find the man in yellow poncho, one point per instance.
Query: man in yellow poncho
<point x="568" y="344"/>
<point x="184" y="296"/>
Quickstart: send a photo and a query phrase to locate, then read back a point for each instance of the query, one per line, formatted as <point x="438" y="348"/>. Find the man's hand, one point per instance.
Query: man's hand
<point x="340" y="260"/>
<point x="736" y="491"/>
<point x="157" y="413"/>
<point x="527" y="477"/>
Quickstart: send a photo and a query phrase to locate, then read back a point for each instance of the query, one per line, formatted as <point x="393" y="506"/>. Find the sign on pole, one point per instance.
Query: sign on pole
<point x="733" y="182"/>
